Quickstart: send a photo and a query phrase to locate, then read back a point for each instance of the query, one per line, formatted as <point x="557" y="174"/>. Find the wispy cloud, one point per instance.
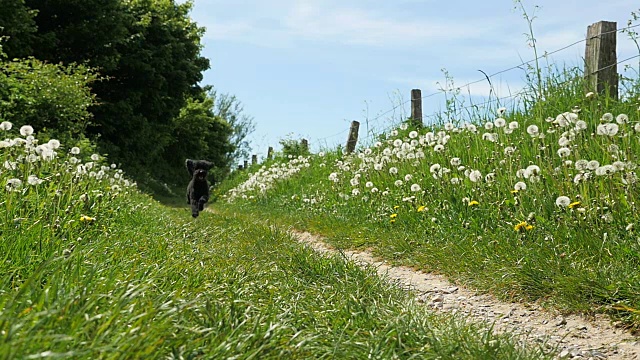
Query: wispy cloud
<point x="287" y="22"/>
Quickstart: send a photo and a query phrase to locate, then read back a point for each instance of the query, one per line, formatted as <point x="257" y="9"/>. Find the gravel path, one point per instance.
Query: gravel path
<point x="574" y="336"/>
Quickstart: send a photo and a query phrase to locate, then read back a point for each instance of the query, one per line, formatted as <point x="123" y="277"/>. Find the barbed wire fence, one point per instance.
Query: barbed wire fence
<point x="600" y="39"/>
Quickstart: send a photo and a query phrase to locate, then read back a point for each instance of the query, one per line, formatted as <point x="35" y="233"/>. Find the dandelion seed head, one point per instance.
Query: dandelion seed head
<point x="533" y="130"/>
<point x="622" y="119"/>
<point x="564" y="152"/>
<point x="581" y="165"/>
<point x="34" y="180"/>
<point x="509" y="150"/>
<point x="520" y="186"/>
<point x="475" y="175"/>
<point x="26" y="130"/>
<point x="13" y="184"/>
<point x="563" y="201"/>
<point x="607" y="129"/>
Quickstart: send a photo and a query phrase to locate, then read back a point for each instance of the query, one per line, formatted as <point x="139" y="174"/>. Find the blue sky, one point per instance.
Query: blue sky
<point x="310" y="67"/>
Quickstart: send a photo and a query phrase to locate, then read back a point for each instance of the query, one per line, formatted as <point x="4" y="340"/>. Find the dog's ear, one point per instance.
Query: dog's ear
<point x="206" y="164"/>
<point x="190" y="166"/>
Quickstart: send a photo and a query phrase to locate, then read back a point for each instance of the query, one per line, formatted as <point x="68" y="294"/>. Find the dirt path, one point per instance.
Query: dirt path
<point x="575" y="336"/>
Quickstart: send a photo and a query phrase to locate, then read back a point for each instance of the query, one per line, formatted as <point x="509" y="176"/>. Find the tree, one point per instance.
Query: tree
<point x="149" y="54"/>
<point x="199" y="134"/>
<point x="17" y="28"/>
<point x="229" y="108"/>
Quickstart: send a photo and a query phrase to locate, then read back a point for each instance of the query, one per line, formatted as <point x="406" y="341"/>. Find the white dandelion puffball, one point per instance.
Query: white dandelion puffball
<point x="475" y="175"/>
<point x="563" y="201"/>
<point x="520" y="186"/>
<point x="533" y="130"/>
<point x="26" y="130"/>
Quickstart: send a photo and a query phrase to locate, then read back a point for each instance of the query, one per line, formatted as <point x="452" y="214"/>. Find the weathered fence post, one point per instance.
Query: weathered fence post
<point x="600" y="60"/>
<point x="353" y="136"/>
<point x="416" y="107"/>
<point x="254" y="159"/>
<point x="240" y="167"/>
<point x="305" y="146"/>
<point x="246" y="164"/>
<point x="270" y="152"/>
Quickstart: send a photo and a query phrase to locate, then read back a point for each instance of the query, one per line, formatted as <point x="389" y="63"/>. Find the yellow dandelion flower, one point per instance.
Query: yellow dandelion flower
<point x="85" y="218"/>
<point x="392" y="220"/>
<point x="522" y="226"/>
<point x="396" y="207"/>
<point x="421" y="208"/>
<point x="574" y="204"/>
<point x="393" y="216"/>
<point x="473" y="202"/>
<point x="514" y="191"/>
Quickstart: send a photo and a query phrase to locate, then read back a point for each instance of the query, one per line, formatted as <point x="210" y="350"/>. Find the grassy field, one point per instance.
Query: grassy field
<point x="533" y="203"/>
<point x="90" y="268"/>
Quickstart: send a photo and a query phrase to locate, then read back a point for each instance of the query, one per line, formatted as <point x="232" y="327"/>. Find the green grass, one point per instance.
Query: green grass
<point x="93" y="269"/>
<point x="535" y="203"/>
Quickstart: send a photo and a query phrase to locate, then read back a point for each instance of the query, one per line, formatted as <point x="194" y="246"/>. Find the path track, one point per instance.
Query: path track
<point x="575" y="336"/>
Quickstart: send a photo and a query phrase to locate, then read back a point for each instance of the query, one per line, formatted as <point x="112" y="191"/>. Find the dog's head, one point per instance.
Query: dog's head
<point x="200" y="174"/>
<point x="198" y="168"/>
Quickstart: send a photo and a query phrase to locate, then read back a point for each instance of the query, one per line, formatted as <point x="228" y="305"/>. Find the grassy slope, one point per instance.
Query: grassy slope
<point x="578" y="257"/>
<point x="158" y="284"/>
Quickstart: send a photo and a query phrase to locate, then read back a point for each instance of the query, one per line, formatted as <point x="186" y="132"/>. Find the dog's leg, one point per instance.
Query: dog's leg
<point x="195" y="209"/>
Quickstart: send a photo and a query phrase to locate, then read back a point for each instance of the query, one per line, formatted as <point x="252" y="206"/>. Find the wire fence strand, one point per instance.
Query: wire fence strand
<point x="373" y="121"/>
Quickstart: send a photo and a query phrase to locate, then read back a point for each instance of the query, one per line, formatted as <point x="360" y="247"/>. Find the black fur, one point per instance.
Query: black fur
<point x="198" y="189"/>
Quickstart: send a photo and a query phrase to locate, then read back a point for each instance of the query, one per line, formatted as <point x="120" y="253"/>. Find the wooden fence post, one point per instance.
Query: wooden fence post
<point x="254" y="159"/>
<point x="353" y="136"/>
<point x="246" y="164"/>
<point x="600" y="68"/>
<point x="270" y="152"/>
<point x="305" y="146"/>
<point x="416" y="107"/>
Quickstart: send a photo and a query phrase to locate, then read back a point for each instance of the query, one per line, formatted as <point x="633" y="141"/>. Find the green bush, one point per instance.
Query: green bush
<point x="54" y="99"/>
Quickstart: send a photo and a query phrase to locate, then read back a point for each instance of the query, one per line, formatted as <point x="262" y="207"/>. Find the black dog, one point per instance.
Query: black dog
<point x="198" y="189"/>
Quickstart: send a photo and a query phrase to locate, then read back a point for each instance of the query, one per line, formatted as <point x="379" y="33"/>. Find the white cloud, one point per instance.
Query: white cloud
<point x="287" y="22"/>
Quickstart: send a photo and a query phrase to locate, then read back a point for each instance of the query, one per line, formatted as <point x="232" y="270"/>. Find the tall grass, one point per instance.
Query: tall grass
<point x="537" y="202"/>
<point x="91" y="268"/>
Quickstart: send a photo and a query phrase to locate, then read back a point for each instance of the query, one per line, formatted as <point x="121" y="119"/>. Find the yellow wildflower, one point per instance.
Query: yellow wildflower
<point x="514" y="191"/>
<point x="574" y="204"/>
<point x="393" y="216"/>
<point x="473" y="202"/>
<point x="85" y="218"/>
<point x="396" y="207"/>
<point x="523" y="226"/>
<point x="392" y="220"/>
<point x="421" y="208"/>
